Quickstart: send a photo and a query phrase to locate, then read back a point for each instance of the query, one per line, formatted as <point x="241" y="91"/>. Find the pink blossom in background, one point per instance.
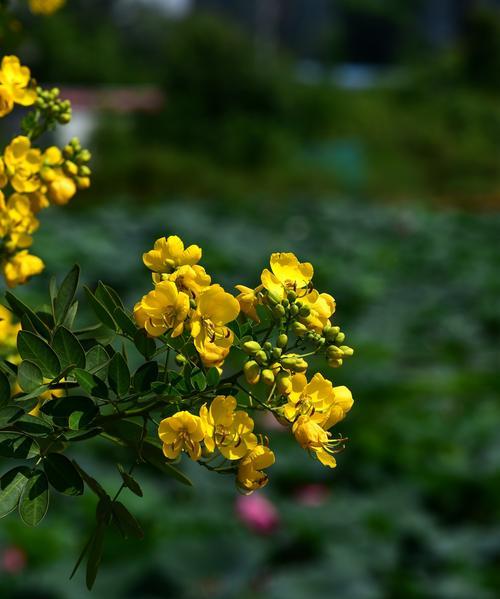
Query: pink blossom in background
<point x="258" y="513"/>
<point x="12" y="560"/>
<point x="312" y="495"/>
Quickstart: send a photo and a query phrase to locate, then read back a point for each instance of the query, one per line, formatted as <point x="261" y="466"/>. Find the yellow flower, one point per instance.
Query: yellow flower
<point x="181" y="432"/>
<point x="313" y="437"/>
<point x="14" y="85"/>
<point x="169" y="253"/>
<point x="45" y="7"/>
<point x="250" y="475"/>
<point x="23" y="164"/>
<point x="227" y="430"/>
<point x="61" y="189"/>
<point x="8" y="335"/>
<point x="318" y="399"/>
<point x="190" y="279"/>
<point x="288" y="274"/>
<point x="321" y="306"/>
<point x="165" y="308"/>
<point x="212" y="338"/>
<point x="17" y="222"/>
<point x="44" y="397"/>
<point x="19" y="268"/>
<point x="248" y="301"/>
<point x="4" y="179"/>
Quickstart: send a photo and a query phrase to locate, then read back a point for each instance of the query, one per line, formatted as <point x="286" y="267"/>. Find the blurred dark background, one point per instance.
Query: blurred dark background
<point x="364" y="135"/>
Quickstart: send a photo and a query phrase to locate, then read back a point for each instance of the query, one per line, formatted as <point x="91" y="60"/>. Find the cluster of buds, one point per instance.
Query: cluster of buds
<point x="76" y="163"/>
<point x="55" y="109"/>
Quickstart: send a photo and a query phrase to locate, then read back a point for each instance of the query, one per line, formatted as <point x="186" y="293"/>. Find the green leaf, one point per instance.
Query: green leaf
<point x="127" y="524"/>
<point x="62" y="475"/>
<point x="19" y="308"/>
<point x="33" y="394"/>
<point x="29" y="376"/>
<point x="68" y="349"/>
<point x="36" y="350"/>
<point x="95" y="554"/>
<point x="145" y="375"/>
<point x="34" y="501"/>
<point x="66" y="294"/>
<point x="96" y="359"/>
<point x="199" y="381"/>
<point x="213" y="377"/>
<point x="91" y="482"/>
<point x="130" y="482"/>
<point x="144" y="344"/>
<point x="4" y="389"/>
<point x="91" y="383"/>
<point x="125" y="322"/>
<point x="12" y="484"/>
<point x="71" y="315"/>
<point x="20" y="447"/>
<point x="100" y="310"/>
<point x="119" y="375"/>
<point x="127" y="429"/>
<point x="116" y="297"/>
<point x="32" y="425"/>
<point x="104" y="296"/>
<point x="9" y="415"/>
<point x="77" y="412"/>
<point x="154" y="456"/>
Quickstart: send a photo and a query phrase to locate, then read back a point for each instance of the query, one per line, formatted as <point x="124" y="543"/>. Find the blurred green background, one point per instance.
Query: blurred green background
<point x="364" y="135"/>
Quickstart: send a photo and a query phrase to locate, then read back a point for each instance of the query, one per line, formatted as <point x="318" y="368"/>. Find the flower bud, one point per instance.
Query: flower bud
<point x="335" y="363"/>
<point x="180" y="360"/>
<point x="299" y="329"/>
<point x="340" y="338"/>
<point x="294" y="309"/>
<point x="305" y="311"/>
<point x="282" y="340"/>
<point x="261" y="357"/>
<point x="251" y="370"/>
<point x="291" y="296"/>
<point x="346" y="350"/>
<point x="278" y="311"/>
<point x="61" y="190"/>
<point x="331" y="333"/>
<point x="276" y="353"/>
<point x="284" y="383"/>
<point x="70" y="167"/>
<point x="267" y="345"/>
<point x="294" y="363"/>
<point x="267" y="376"/>
<point x="251" y="347"/>
<point x="333" y="352"/>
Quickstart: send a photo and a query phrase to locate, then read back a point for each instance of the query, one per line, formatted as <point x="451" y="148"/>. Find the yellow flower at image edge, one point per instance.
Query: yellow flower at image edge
<point x="14" y="82"/>
<point x="181" y="432"/>
<point x="8" y="335"/>
<point x="45" y="7"/>
<point x="164" y="308"/>
<point x="169" y="253"/>
<point x="250" y="476"/>
<point x="20" y="267"/>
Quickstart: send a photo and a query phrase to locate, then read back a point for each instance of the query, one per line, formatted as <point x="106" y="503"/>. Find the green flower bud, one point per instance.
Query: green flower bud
<point x="340" y="338"/>
<point x="268" y="345"/>
<point x="346" y="350"/>
<point x="180" y="360"/>
<point x="333" y="352"/>
<point x="294" y="310"/>
<point x="276" y="353"/>
<point x="299" y="329"/>
<point x="282" y="340"/>
<point x="267" y="376"/>
<point x="278" y="311"/>
<point x="251" y="370"/>
<point x="284" y="383"/>
<point x="291" y="296"/>
<point x="285" y="303"/>
<point x="251" y="347"/>
<point x="261" y="357"/>
<point x="335" y="363"/>
<point x="305" y="311"/>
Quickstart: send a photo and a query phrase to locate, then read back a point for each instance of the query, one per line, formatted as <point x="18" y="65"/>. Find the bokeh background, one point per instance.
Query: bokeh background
<point x="364" y="135"/>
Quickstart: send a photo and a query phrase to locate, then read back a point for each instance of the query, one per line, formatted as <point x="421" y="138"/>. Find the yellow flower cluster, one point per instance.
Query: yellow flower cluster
<point x="312" y="407"/>
<point x="185" y="300"/>
<point x="295" y="322"/>
<point x="31" y="179"/>
<point x="220" y="428"/>
<point x="16" y="86"/>
<point x="45" y="7"/>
